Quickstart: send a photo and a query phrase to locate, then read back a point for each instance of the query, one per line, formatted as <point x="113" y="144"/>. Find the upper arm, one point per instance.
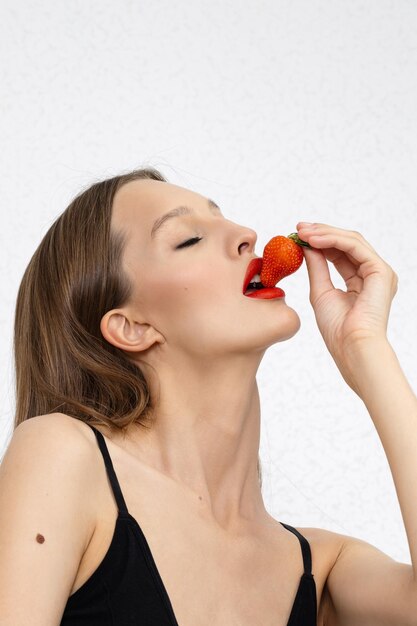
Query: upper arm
<point x="43" y="492"/>
<point x="367" y="587"/>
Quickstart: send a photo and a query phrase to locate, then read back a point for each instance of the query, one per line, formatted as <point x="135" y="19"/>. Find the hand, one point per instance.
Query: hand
<point x="347" y="319"/>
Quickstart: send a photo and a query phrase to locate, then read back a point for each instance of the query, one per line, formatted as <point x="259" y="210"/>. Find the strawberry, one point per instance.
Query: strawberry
<point x="282" y="256"/>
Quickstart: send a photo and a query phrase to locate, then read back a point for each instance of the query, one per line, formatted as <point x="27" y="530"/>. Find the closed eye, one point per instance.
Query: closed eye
<point x="189" y="242"/>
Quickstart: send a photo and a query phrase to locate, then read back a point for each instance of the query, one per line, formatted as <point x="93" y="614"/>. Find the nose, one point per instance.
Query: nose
<point x="247" y="238"/>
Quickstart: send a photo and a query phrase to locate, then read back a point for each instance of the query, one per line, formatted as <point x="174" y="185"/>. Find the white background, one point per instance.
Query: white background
<point x="280" y="111"/>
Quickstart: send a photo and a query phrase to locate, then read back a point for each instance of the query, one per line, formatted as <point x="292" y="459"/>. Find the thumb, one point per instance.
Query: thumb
<point x="318" y="273"/>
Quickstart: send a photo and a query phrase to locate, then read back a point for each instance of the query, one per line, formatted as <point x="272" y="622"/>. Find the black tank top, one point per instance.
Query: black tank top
<point x="126" y="589"/>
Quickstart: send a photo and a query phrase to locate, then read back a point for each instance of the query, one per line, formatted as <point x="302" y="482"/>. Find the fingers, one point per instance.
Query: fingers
<point x="349" y="271"/>
<point x="352" y="256"/>
<point x="318" y="273"/>
<point x="318" y="229"/>
<point x="357" y="250"/>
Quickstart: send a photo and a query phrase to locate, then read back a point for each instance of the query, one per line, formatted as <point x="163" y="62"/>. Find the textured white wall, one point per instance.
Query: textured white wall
<point x="279" y="110"/>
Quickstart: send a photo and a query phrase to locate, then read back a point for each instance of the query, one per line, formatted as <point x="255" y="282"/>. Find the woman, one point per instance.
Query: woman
<point x="133" y="494"/>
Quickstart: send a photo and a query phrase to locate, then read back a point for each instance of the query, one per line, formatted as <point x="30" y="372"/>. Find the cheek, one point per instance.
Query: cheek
<point x="173" y="296"/>
<point x="193" y="310"/>
<point x="190" y="283"/>
<point x="177" y="295"/>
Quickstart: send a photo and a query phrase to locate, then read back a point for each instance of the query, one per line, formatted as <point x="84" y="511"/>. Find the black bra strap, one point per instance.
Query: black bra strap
<point x="305" y="548"/>
<point x="121" y="504"/>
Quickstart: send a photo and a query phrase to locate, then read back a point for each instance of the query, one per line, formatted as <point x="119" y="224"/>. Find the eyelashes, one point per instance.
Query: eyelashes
<point x="189" y="242"/>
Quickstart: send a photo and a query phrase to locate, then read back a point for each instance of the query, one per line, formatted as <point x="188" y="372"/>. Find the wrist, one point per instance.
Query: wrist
<point x="367" y="359"/>
<point x="364" y="348"/>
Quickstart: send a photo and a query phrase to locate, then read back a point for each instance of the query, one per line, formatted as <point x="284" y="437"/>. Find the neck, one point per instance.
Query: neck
<point x="206" y="435"/>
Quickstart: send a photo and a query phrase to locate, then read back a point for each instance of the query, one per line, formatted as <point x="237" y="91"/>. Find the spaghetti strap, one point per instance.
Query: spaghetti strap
<point x="117" y="492"/>
<point x="305" y="548"/>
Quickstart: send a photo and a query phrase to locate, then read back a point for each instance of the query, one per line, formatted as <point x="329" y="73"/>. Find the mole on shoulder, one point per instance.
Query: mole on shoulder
<point x="40" y="538"/>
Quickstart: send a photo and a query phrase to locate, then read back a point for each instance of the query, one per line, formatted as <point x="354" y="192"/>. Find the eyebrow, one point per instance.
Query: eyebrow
<point x="180" y="210"/>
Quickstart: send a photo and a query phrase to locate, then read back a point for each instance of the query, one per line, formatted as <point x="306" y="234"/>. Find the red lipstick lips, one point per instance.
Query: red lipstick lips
<point x="254" y="268"/>
<point x="267" y="293"/>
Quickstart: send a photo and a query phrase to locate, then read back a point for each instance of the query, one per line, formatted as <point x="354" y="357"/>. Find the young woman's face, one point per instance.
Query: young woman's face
<point x="188" y="274"/>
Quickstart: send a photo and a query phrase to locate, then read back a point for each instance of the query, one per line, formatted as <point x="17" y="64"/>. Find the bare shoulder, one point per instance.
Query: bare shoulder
<point x="60" y="428"/>
<point x="47" y="516"/>
<point x="366" y="585"/>
<point x="326" y="547"/>
<point x="51" y="444"/>
<point x="58" y="422"/>
<point x="324" y="538"/>
<point x="337" y="544"/>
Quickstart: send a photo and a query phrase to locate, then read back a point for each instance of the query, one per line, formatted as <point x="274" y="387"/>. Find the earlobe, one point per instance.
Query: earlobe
<point x="127" y="334"/>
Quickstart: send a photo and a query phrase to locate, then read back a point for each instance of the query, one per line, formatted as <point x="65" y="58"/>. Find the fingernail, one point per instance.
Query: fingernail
<point x="305" y="224"/>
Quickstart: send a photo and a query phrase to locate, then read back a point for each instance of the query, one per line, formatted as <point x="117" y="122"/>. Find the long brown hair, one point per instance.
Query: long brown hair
<point x="62" y="361"/>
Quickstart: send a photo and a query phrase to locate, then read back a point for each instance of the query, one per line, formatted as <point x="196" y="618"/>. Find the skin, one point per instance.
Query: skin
<point x="190" y="321"/>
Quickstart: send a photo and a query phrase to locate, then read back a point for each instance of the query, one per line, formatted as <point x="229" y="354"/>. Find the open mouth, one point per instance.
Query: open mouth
<point x="252" y="279"/>
<point x="252" y="286"/>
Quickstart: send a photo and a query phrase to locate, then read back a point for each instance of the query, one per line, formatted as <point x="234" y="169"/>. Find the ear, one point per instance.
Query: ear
<point x="124" y="332"/>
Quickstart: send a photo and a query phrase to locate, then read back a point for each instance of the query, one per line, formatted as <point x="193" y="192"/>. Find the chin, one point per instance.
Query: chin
<point x="286" y="324"/>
